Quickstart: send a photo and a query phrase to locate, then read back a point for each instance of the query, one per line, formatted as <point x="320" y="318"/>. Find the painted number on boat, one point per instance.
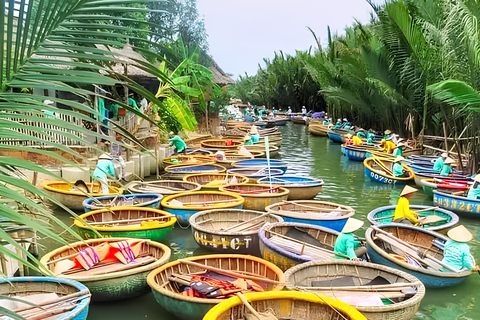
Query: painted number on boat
<point x="222" y="242"/>
<point x="380" y="178"/>
<point x="455" y="204"/>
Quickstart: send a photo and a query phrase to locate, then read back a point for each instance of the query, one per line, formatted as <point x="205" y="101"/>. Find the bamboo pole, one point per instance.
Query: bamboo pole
<point x="84" y="292"/>
<point x="386" y="287"/>
<point x="130" y="220"/>
<point x="245" y="222"/>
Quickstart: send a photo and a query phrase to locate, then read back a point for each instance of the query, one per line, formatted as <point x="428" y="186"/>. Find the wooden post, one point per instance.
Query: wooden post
<point x="445" y="135"/>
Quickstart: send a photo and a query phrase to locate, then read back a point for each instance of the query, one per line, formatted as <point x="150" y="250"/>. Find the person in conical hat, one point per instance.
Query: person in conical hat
<point x="103" y="170"/>
<point x="397" y="167"/>
<point x="398" y="151"/>
<point x="446" y="169"/>
<point x="474" y="191"/>
<point x="456" y="253"/>
<point x="247" y="140"/>
<point x="438" y="164"/>
<point x="338" y="125"/>
<point x="346" y="243"/>
<point x="387" y="146"/>
<point x="403" y="214"/>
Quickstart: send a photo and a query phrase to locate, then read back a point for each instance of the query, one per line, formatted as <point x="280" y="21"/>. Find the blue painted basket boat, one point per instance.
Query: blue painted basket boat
<point x="356" y="154"/>
<point x="320" y="213"/>
<point x="377" y="173"/>
<point x="429" y="242"/>
<point x="334" y="136"/>
<point x="281" y="122"/>
<point x="131" y="200"/>
<point x="285" y="256"/>
<point x="384" y="215"/>
<point x="301" y="188"/>
<point x="25" y="286"/>
<point x="261" y="163"/>
<point x="457" y="203"/>
<point x="254" y="174"/>
<point x="184" y="205"/>
<point x="179" y="171"/>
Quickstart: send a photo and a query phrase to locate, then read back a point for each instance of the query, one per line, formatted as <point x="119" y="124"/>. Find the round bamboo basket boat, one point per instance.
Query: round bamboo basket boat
<point x="164" y="187"/>
<point x="273" y="149"/>
<point x="285" y="305"/>
<point x="429" y="242"/>
<point x="272" y="139"/>
<point x="208" y="181"/>
<point x="301" y="188"/>
<point x="258" y="196"/>
<point x="230" y="230"/>
<point x="127" y="222"/>
<point x="22" y="287"/>
<point x="170" y="297"/>
<point x="380" y="170"/>
<point x="72" y="197"/>
<point x="114" y="281"/>
<point x="318" y="129"/>
<point x="184" y="205"/>
<point x="282" y="243"/>
<point x="257" y="153"/>
<point x="321" y="213"/>
<point x="343" y="280"/>
<point x="133" y="200"/>
<point x="220" y="144"/>
<point x="228" y="160"/>
<point x="177" y="172"/>
<point x="188" y="159"/>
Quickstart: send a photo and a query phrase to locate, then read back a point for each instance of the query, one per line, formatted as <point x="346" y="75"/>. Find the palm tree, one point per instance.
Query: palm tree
<point x="61" y="46"/>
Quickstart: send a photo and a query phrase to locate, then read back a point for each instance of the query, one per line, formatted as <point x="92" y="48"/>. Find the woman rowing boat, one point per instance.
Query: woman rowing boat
<point x="403" y="214"/>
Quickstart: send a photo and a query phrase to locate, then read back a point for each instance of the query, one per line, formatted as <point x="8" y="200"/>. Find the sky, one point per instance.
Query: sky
<point x="241" y="33"/>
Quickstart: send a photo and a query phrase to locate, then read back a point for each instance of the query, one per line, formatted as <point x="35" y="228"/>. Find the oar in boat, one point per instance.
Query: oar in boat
<point x="228" y="273"/>
<point x="79" y="294"/>
<point x="319" y="209"/>
<point x="416" y="254"/>
<point x="246" y="222"/>
<point x="383" y="166"/>
<point x="308" y="244"/>
<point x="129" y="220"/>
<point x="379" y="287"/>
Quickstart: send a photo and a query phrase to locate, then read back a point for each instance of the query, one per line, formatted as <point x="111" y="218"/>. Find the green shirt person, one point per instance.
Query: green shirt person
<point x="104" y="169"/>
<point x="474" y="192"/>
<point x="361" y="134"/>
<point x="346" y="243"/>
<point x="397" y="167"/>
<point x="398" y="150"/>
<point x="178" y="144"/>
<point x="456" y="252"/>
<point x="133" y="103"/>
<point x="438" y="164"/>
<point x="446" y="169"/>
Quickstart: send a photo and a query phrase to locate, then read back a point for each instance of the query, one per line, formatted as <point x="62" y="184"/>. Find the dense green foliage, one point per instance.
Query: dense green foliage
<point x="389" y="73"/>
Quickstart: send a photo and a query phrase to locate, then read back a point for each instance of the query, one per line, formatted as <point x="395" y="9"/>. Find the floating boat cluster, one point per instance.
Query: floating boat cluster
<point x="258" y="223"/>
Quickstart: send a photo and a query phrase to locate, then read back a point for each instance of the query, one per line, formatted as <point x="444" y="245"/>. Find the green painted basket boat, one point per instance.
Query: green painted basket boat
<point x="125" y="221"/>
<point x="111" y="281"/>
<point x="170" y="297"/>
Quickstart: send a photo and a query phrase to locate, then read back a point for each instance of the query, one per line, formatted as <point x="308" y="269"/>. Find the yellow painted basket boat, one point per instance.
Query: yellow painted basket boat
<point x="380" y="170"/>
<point x="73" y="198"/>
<point x="170" y="297"/>
<point x="258" y="196"/>
<point x="213" y="181"/>
<point x="124" y="221"/>
<point x="285" y="305"/>
<point x="188" y="159"/>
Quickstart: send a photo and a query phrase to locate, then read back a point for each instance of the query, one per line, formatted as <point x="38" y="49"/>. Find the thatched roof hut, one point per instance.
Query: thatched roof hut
<point x="219" y="76"/>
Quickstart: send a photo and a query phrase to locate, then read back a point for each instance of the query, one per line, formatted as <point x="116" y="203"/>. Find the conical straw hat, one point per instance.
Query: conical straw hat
<point x="388" y="131"/>
<point x="449" y="161"/>
<point x="477" y="177"/>
<point x="407" y="190"/>
<point x="398" y="158"/>
<point x="105" y="156"/>
<point x="460" y="234"/>
<point x="352" y="225"/>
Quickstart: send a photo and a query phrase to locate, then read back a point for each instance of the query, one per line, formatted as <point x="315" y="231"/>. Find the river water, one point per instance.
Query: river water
<point x="346" y="184"/>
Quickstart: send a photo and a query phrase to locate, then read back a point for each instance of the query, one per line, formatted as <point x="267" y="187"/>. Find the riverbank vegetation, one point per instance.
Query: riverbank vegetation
<point x="414" y="67"/>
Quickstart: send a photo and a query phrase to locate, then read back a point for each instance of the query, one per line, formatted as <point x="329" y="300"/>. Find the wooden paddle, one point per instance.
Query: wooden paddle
<point x="431" y="219"/>
<point x="383" y="166"/>
<point x="228" y="273"/>
<point x="245" y="222"/>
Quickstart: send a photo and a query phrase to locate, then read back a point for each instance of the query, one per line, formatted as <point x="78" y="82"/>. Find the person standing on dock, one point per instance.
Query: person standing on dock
<point x="403" y="214"/>
<point x="116" y="152"/>
<point x="474" y="191"/>
<point x="438" y="165"/>
<point x="104" y="169"/>
<point x="346" y="243"/>
<point x="456" y="252"/>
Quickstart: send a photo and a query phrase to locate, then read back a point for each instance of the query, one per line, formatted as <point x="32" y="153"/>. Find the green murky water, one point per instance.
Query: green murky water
<point x="345" y="184"/>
